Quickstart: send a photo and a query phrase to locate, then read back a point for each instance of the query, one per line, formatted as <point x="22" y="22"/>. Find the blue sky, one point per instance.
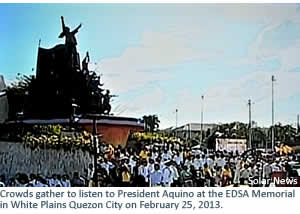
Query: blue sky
<point x="162" y="57"/>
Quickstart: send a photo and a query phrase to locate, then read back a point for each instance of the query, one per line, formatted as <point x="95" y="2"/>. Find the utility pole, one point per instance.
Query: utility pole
<point x="272" y="130"/>
<point x="201" y="126"/>
<point x="250" y="125"/>
<point x="297" y="123"/>
<point x="95" y="151"/>
<point x="94" y="117"/>
<point x="190" y="131"/>
<point x="187" y="133"/>
<point x="176" y="112"/>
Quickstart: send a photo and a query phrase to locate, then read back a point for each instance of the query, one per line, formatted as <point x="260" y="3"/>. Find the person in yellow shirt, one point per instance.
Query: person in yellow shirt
<point x="144" y="154"/>
<point x="126" y="177"/>
<point x="226" y="175"/>
<point x="187" y="153"/>
<point x="207" y="175"/>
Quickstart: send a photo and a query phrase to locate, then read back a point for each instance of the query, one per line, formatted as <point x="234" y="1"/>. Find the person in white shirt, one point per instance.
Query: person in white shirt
<point x="237" y="174"/>
<point x="275" y="167"/>
<point x="154" y="155"/>
<point x="210" y="162"/>
<point x="33" y="180"/>
<point x="54" y="181"/>
<point x="267" y="170"/>
<point x="166" y="155"/>
<point x="156" y="176"/>
<point x="178" y="159"/>
<point x="197" y="152"/>
<point x="107" y="165"/>
<point x="220" y="162"/>
<point x="132" y="163"/>
<point x="174" y="174"/>
<point x="40" y="182"/>
<point x="166" y="176"/>
<point x="90" y="175"/>
<point x="198" y="163"/>
<point x="65" y="181"/>
<point x="188" y="162"/>
<point x="150" y="166"/>
<point x="244" y="175"/>
<point x="143" y="170"/>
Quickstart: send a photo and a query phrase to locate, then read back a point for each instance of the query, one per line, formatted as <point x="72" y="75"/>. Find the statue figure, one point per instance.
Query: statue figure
<point x="93" y="81"/>
<point x="70" y="41"/>
<point x="85" y="63"/>
<point x="106" y="102"/>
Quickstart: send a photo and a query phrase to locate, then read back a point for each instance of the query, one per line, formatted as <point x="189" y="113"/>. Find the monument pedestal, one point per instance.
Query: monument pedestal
<point x="114" y="130"/>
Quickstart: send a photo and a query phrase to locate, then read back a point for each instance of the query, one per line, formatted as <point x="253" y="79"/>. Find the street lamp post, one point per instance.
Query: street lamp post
<point x="176" y="112"/>
<point x="250" y="125"/>
<point x="297" y="123"/>
<point x="201" y="125"/>
<point x="95" y="151"/>
<point x="94" y="117"/>
<point x="272" y="130"/>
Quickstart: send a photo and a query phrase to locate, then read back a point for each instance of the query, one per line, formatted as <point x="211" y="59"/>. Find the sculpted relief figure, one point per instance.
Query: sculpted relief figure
<point x="85" y="63"/>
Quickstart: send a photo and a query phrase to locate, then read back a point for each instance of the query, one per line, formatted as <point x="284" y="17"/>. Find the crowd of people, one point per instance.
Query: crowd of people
<point x="170" y="165"/>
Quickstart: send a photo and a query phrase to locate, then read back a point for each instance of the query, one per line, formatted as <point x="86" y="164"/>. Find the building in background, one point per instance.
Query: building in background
<point x="192" y="130"/>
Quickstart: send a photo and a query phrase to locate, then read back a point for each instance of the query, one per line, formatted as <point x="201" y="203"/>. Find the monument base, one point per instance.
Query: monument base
<point x="114" y="130"/>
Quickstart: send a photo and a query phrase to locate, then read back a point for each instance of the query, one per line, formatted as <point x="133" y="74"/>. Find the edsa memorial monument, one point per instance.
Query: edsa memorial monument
<point x="66" y="91"/>
<point x="64" y="100"/>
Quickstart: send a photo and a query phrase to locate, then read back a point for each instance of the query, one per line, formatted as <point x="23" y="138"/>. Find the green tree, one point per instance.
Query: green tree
<point x="18" y="94"/>
<point x="151" y="123"/>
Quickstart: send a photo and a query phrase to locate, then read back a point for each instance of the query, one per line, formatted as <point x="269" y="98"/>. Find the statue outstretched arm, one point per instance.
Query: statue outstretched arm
<point x="63" y="28"/>
<point x="62" y="23"/>
<point x="76" y="29"/>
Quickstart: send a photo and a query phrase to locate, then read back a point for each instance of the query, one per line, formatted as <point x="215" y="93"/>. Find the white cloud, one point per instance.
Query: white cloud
<point x="227" y="102"/>
<point x="185" y="41"/>
<point x="263" y="49"/>
<point x="148" y="103"/>
<point x="157" y="50"/>
<point x="140" y="65"/>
